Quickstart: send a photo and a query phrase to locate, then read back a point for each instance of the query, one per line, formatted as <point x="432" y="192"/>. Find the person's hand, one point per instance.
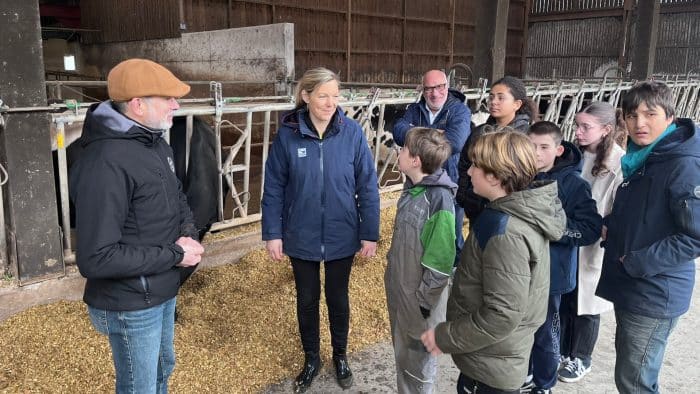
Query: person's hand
<point x="428" y="339"/>
<point x="369" y="248"/>
<point x="622" y="259"/>
<point x="274" y="249"/>
<point x="193" y="252"/>
<point x="604" y="233"/>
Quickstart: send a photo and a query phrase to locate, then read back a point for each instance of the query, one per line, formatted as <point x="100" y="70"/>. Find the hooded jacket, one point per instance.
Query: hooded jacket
<point x="321" y="195"/>
<point x="583" y="222"/>
<point x="654" y="225"/>
<point x="472" y="203"/>
<point x="500" y="290"/>
<point x="422" y="249"/>
<point x="130" y="210"/>
<point x="454" y="118"/>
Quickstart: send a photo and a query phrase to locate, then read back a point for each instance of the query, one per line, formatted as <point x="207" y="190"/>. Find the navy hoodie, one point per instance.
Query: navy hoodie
<point x="583" y="223"/>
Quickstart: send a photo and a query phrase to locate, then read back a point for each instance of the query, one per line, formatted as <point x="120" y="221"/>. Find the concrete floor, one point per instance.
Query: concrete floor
<point x="374" y="368"/>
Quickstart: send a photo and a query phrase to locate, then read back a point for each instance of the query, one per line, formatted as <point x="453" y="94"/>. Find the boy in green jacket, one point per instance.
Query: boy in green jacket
<point x="421" y="256"/>
<point x="501" y="285"/>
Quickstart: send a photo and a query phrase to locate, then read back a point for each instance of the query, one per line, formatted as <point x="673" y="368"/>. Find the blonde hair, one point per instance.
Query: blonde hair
<point x="506" y="154"/>
<point x="430" y="145"/>
<point x="311" y="80"/>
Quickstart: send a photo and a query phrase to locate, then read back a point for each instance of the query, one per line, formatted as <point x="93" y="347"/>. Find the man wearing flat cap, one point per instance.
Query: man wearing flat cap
<point x="134" y="228"/>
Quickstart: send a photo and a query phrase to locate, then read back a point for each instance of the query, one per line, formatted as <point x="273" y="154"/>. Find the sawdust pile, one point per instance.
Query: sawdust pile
<point x="237" y="331"/>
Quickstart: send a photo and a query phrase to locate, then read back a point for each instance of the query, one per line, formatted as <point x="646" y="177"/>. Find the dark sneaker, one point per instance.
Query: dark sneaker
<point x="528" y="385"/>
<point x="312" y="365"/>
<point x="538" y="390"/>
<point x="574" y="370"/>
<point x="562" y="361"/>
<point x="342" y="372"/>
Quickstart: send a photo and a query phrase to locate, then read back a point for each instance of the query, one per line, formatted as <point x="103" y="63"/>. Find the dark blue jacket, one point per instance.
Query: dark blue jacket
<point x="321" y="195"/>
<point x="655" y="225"/>
<point x="454" y="118"/>
<point x="583" y="223"/>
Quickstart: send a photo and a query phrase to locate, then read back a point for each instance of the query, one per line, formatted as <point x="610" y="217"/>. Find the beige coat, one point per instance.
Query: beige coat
<point x="603" y="188"/>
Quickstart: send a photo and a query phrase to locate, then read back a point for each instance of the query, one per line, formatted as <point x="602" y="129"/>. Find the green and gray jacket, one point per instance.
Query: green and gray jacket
<point x="501" y="287"/>
<point x="423" y="245"/>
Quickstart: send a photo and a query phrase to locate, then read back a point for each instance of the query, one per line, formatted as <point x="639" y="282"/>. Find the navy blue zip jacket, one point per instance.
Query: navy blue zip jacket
<point x="454" y="118"/>
<point x="655" y="225"/>
<point x="129" y="210"/>
<point x="583" y="223"/>
<point x="321" y="195"/>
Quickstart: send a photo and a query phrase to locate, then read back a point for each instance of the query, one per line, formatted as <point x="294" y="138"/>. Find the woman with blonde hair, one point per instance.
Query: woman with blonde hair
<point x="320" y="204"/>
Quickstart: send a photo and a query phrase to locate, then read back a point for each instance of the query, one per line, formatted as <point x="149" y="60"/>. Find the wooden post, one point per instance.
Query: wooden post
<point x="491" y="31"/>
<point x="644" y="36"/>
<point x="34" y="237"/>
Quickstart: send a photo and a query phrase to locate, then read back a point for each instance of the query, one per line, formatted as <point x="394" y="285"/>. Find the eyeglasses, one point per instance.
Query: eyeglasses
<point x="430" y="89"/>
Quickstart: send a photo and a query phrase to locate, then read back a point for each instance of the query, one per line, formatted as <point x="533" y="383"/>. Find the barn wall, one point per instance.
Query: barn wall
<point x="129" y="20"/>
<point x="389" y="41"/>
<point x="586" y="37"/>
<point x="678" y="45"/>
<point x="259" y="53"/>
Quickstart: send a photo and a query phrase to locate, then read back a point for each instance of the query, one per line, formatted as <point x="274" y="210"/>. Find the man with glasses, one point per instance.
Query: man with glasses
<point x="134" y="227"/>
<point x="444" y="109"/>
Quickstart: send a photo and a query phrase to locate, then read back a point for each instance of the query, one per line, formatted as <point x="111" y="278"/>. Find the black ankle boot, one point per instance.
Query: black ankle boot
<point x="342" y="371"/>
<point x="312" y="365"/>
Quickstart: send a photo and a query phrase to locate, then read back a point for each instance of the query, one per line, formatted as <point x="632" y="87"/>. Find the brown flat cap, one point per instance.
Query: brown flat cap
<point x="142" y="78"/>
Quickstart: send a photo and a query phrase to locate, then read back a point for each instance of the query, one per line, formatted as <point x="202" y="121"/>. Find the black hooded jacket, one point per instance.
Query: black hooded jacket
<point x="130" y="210"/>
<point x="466" y="198"/>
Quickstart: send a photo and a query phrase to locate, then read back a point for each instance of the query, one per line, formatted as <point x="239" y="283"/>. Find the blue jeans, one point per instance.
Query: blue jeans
<point x="544" y="359"/>
<point x="142" y="346"/>
<point x="640" y="343"/>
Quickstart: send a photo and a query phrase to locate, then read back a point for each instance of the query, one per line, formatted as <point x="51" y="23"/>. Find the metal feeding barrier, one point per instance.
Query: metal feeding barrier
<point x="560" y="101"/>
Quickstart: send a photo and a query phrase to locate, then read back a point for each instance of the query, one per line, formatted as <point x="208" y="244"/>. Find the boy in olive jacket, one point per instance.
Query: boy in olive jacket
<point x="421" y="256"/>
<point x="500" y="289"/>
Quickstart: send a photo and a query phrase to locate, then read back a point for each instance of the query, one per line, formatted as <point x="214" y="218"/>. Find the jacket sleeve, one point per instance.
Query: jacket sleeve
<point x="584" y="224"/>
<point x="458" y="127"/>
<point x="683" y="246"/>
<point x="505" y="287"/>
<point x="464" y="180"/>
<point x="367" y="189"/>
<point x="102" y="209"/>
<point x="438" y="240"/>
<point x="472" y="203"/>
<point x="276" y="177"/>
<point x="187" y="226"/>
<point x="405" y="123"/>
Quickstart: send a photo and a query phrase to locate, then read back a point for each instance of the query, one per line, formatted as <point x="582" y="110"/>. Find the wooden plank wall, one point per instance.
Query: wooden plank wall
<point x="582" y="38"/>
<point x="129" y="20"/>
<point x="389" y="41"/>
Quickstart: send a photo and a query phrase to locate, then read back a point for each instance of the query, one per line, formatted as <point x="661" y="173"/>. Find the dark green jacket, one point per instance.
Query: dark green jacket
<point x="501" y="285"/>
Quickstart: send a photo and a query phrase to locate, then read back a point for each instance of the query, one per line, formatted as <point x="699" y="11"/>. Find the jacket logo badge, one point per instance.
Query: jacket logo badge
<point x="697" y="191"/>
<point x="301" y="152"/>
<point x="172" y="165"/>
